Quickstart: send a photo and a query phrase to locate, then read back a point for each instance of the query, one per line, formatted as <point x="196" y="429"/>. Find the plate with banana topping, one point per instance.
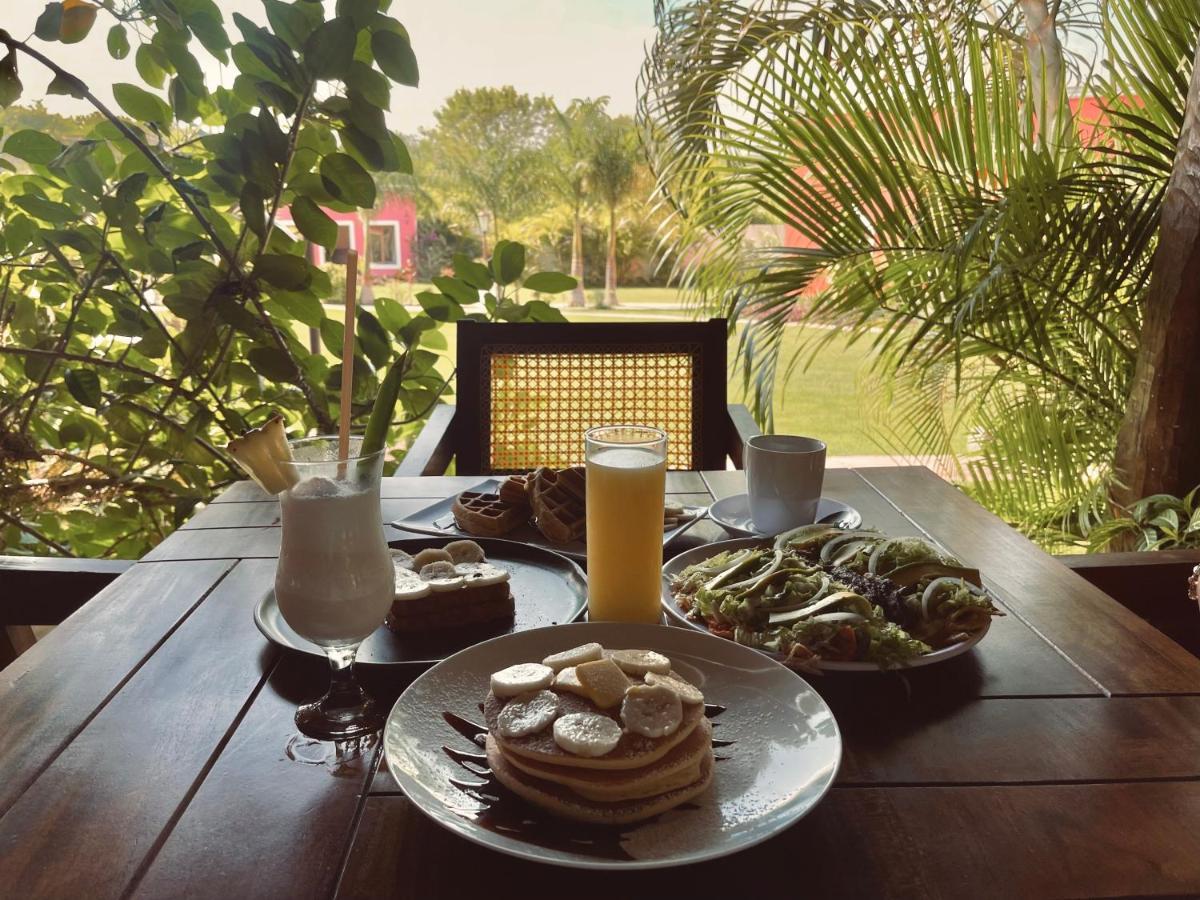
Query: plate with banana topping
<point x="604" y="745"/>
<point x="451" y="594"/>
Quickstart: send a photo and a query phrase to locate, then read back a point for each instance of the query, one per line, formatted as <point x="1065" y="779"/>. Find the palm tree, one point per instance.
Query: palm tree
<point x="947" y="207"/>
<point x="611" y="172"/>
<point x="568" y="154"/>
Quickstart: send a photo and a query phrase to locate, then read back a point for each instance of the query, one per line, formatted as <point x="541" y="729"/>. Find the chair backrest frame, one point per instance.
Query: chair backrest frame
<point x="473" y="422"/>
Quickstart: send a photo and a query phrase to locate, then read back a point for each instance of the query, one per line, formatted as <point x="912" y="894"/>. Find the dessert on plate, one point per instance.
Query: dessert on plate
<point x="448" y="587"/>
<point x="606" y="737"/>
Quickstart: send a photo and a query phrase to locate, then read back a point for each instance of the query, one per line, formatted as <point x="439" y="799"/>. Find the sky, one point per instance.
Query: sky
<point x="564" y="48"/>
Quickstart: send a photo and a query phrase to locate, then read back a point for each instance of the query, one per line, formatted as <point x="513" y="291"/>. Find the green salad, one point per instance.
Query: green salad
<point x="822" y="594"/>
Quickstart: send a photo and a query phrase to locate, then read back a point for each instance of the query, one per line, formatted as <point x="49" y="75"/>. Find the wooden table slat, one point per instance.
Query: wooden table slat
<point x="50" y="692"/>
<point x="86" y="824"/>
<point x="286" y="840"/>
<point x="1016" y="841"/>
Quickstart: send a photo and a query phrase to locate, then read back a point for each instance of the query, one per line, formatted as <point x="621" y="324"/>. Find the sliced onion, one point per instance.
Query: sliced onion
<point x="850" y="618"/>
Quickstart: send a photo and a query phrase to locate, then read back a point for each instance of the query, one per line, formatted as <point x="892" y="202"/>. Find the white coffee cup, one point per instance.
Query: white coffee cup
<point x="784" y="474"/>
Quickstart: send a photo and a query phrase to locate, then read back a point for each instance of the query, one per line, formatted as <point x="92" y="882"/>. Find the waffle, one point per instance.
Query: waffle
<point x="557" y="498"/>
<point x="515" y="489"/>
<point x="486" y="514"/>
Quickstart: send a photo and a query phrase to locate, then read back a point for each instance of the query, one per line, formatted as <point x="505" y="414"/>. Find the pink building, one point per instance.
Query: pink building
<point x="389" y="245"/>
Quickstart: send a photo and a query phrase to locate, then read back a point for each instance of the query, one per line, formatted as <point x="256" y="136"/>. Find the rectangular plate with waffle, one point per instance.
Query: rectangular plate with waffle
<point x="438" y="519"/>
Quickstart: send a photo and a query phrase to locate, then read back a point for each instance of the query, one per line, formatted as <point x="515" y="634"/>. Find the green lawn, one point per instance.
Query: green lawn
<point x="821" y="399"/>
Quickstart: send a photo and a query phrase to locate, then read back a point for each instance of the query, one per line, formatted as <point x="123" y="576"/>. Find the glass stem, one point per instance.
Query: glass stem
<point x="344" y="690"/>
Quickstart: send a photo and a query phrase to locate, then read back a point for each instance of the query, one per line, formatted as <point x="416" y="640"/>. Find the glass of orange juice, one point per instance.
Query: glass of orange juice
<point x="626" y="483"/>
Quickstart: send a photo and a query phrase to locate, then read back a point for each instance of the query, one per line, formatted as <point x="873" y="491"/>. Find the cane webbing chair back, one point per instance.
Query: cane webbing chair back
<point x="527" y="392"/>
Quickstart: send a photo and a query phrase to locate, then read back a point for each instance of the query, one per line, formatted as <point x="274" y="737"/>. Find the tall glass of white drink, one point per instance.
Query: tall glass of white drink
<point x="626" y="480"/>
<point x="335" y="581"/>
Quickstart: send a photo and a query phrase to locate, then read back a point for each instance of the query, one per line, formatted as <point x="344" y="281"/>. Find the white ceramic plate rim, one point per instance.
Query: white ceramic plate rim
<point x="697" y="553"/>
<point x="433" y="808"/>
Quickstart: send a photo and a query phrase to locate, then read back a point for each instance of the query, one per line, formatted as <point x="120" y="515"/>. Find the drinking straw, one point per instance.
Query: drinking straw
<point x="348" y="355"/>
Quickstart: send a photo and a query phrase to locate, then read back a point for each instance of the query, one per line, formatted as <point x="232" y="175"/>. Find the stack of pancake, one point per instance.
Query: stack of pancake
<point x="606" y="740"/>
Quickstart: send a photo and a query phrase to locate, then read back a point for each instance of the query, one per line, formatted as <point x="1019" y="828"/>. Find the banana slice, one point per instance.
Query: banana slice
<point x="410" y="585"/>
<point x="603" y="683"/>
<point x="651" y="710"/>
<point x="521" y="679"/>
<point x="586" y="734"/>
<point x="527" y="713"/>
<point x="638" y="662"/>
<point x="573" y="657"/>
<point x="465" y="552"/>
<point x="481" y="574"/>
<point x="688" y="692"/>
<point x="402" y="560"/>
<point x="567" y="680"/>
<point x="430" y="555"/>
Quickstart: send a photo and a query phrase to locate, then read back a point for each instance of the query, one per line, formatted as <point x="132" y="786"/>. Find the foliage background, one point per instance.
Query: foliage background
<point x="147" y="301"/>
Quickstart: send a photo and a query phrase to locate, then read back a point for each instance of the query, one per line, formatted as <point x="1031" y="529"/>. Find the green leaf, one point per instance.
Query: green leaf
<point x="251" y="204"/>
<point x="439" y="307"/>
<point x="314" y="224"/>
<point x="132" y="187"/>
<point x="541" y="311"/>
<point x="47" y="210"/>
<point x="375" y="341"/>
<point x="68" y="86"/>
<point x="346" y="180"/>
<point x="392" y="315"/>
<point x="10" y="84"/>
<point x="303" y="307"/>
<point x="142" y="105"/>
<point x="35" y="147"/>
<point x="84" y="386"/>
<point x="78" y="17"/>
<point x="394" y="55"/>
<point x="289" y="22"/>
<point x="456" y="290"/>
<point x="118" y="42"/>
<point x="332" y="335"/>
<point x="329" y="50"/>
<point x="473" y="273"/>
<point x="373" y="87"/>
<point x="361" y="12"/>
<point x="272" y="364"/>
<point x="508" y="261"/>
<point x="550" y="282"/>
<point x="152" y="64"/>
<point x="48" y="22"/>
<point x="283" y="270"/>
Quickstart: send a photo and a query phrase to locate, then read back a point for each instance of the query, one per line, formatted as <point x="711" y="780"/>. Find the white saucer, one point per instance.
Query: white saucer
<point x="733" y="514"/>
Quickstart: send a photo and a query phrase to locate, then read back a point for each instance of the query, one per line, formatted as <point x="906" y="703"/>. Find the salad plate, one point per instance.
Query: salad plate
<point x="778" y="753"/>
<point x="954" y="617"/>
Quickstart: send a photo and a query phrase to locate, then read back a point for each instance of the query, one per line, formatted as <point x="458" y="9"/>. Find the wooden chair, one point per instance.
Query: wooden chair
<point x="36" y="590"/>
<point x="528" y="391"/>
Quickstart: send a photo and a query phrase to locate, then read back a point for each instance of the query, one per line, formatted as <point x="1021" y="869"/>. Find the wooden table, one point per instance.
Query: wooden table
<point x="142" y="743"/>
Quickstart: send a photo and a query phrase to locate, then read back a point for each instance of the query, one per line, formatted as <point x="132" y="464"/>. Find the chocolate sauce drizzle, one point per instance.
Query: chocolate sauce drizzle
<point x="503" y="812"/>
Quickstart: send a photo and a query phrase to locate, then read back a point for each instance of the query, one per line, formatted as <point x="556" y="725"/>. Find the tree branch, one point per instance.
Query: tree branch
<point x="33" y="532"/>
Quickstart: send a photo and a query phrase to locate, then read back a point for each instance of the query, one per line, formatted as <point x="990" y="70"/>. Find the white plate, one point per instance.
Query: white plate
<point x="696" y="554"/>
<point x="733" y="514"/>
<point x="785" y="752"/>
